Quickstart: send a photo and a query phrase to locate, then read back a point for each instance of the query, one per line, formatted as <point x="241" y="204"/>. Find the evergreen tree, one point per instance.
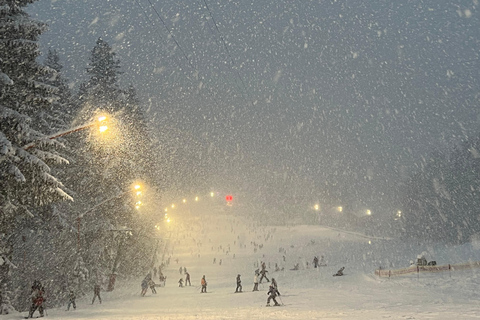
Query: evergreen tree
<point x="25" y="174"/>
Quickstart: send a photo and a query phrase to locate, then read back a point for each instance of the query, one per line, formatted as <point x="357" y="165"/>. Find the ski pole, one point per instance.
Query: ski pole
<point x="281" y="300"/>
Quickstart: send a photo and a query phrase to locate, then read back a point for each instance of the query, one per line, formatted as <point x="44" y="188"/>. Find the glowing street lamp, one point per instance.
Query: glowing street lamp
<point x="184" y="200"/>
<point x="212" y="194"/>
<point x="316" y="207"/>
<point x="196" y="198"/>
<point x="368" y="212"/>
<point x="340" y="209"/>
<point x="173" y="206"/>
<point x="100" y="122"/>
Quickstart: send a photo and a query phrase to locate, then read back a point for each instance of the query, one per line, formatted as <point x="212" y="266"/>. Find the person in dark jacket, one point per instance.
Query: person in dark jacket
<point x="239" y="284"/>
<point x="204" y="285"/>
<point x="96" y="293"/>
<point x="272" y="294"/>
<point x="71" y="300"/>
<point x="339" y="272"/>
<point x="263" y="273"/>
<point x="187" y="279"/>
<point x="315" y="262"/>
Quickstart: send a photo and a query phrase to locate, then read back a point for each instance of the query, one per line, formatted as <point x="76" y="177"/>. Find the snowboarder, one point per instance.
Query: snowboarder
<point x="180" y="283"/>
<point x="96" y="293"/>
<point x="263" y="273"/>
<point x="339" y="272"/>
<point x="151" y="284"/>
<point x="204" y="285"/>
<point x="239" y="284"/>
<point x="187" y="279"/>
<point x="315" y="262"/>
<point x="144" y="286"/>
<point x="273" y="293"/>
<point x="71" y="300"/>
<point x="37" y="299"/>
<point x="255" y="282"/>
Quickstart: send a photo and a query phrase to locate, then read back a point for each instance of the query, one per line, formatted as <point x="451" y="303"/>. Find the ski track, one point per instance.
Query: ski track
<point x="307" y="293"/>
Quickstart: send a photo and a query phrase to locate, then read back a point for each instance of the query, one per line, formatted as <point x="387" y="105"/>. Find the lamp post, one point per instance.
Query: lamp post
<point x="101" y="122"/>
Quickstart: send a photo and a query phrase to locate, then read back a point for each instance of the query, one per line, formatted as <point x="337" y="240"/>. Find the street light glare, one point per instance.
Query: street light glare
<point x="137" y="186"/>
<point x="369" y="212"/>
<point x="316" y="207"/>
<point x="184" y="200"/>
<point x="340" y="209"/>
<point x="173" y="206"/>
<point x="103" y="128"/>
<point x="212" y="194"/>
<point x="196" y="198"/>
<point x="102" y="118"/>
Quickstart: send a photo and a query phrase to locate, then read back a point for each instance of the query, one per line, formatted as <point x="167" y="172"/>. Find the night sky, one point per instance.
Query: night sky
<point x="329" y="101"/>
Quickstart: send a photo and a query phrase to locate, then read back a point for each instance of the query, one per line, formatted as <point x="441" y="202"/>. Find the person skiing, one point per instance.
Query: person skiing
<point x="184" y="269"/>
<point x="273" y="293"/>
<point x="274" y="283"/>
<point x="71" y="300"/>
<point x="180" y="283"/>
<point x="187" y="279"/>
<point x="37" y="299"/>
<point x="255" y="282"/>
<point x="144" y="286"/>
<point x="339" y="272"/>
<point x="315" y="262"/>
<point x="239" y="284"/>
<point x="204" y="285"/>
<point x="263" y="273"/>
<point x="180" y="270"/>
<point x="96" y="293"/>
<point x="151" y="284"/>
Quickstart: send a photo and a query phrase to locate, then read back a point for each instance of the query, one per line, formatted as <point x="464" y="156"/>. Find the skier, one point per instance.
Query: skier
<point x="204" y="285"/>
<point x="273" y="293"/>
<point x="239" y="284"/>
<point x="263" y="273"/>
<point x="322" y="261"/>
<point x="180" y="283"/>
<point x="144" y="286"/>
<point x="214" y="260"/>
<point x="315" y="262"/>
<point x="71" y="300"/>
<point x="339" y="272"/>
<point x="180" y="270"/>
<point x="274" y="283"/>
<point x="187" y="279"/>
<point x="255" y="282"/>
<point x="37" y="299"/>
<point x="96" y="293"/>
<point x="220" y="262"/>
<point x="151" y="284"/>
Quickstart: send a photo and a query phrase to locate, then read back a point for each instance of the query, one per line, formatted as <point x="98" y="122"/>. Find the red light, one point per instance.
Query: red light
<point x="229" y="198"/>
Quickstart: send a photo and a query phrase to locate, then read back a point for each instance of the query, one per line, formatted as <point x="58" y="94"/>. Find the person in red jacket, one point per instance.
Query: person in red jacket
<point x="204" y="285"/>
<point x="38" y="298"/>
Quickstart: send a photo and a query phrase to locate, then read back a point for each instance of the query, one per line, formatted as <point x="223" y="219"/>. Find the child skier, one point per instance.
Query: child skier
<point x="71" y="300"/>
<point x="204" y="285"/>
<point x="273" y="293"/>
<point x="239" y="284"/>
<point x="151" y="284"/>
<point x="180" y="283"/>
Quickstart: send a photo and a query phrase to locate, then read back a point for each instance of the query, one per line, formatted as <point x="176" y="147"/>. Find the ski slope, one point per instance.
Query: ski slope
<point x="307" y="293"/>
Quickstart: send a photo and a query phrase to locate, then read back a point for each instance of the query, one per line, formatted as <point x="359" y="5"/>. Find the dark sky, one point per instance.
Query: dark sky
<point x="330" y="101"/>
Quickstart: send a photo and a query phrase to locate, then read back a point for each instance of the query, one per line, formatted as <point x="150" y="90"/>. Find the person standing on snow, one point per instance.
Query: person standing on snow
<point x="144" y="286"/>
<point x="96" y="293"/>
<point x="204" y="285"/>
<point x="274" y="283"/>
<point x="151" y="284"/>
<point x="239" y="284"/>
<point x="71" y="300"/>
<point x="187" y="279"/>
<point x="255" y="282"/>
<point x="37" y="299"/>
<point x="273" y="293"/>
<point x="315" y="262"/>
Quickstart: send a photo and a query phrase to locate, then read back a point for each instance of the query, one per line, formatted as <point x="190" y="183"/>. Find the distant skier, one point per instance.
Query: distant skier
<point x="187" y="279"/>
<point x="180" y="270"/>
<point x="263" y="273"/>
<point x="214" y="260"/>
<point x="273" y="293"/>
<point x="255" y="282"/>
<point x="38" y="298"/>
<point x="274" y="283"/>
<point x="339" y="272"/>
<point x="96" y="293"/>
<point x="315" y="262"/>
<point x="184" y="269"/>
<point x="71" y="300"/>
<point x="144" y="286"/>
<point x="220" y="262"/>
<point x="151" y="284"/>
<point x="180" y="283"/>
<point x="204" y="285"/>
<point x="239" y="284"/>
<point x="322" y="261"/>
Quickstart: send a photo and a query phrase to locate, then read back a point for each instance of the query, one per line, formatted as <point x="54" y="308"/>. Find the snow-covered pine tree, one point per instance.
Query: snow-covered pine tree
<point x="26" y="179"/>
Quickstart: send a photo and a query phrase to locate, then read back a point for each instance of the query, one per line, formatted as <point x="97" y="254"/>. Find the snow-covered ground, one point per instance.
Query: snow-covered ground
<point x="308" y="293"/>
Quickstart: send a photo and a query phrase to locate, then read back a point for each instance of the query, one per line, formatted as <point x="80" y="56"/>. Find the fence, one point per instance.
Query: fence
<point x="419" y="269"/>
